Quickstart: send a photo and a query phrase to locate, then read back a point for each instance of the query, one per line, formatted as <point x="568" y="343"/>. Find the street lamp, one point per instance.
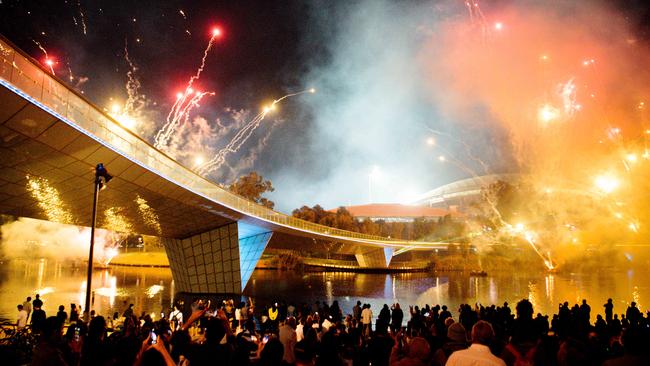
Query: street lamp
<point x="101" y="179"/>
<point x="373" y="173"/>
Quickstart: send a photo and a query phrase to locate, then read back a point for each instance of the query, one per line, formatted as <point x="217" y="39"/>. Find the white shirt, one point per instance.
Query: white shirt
<point x="299" y="332"/>
<point x="326" y="325"/>
<point x="22" y="319"/>
<point x="366" y="316"/>
<point x="178" y="316"/>
<point x="475" y="355"/>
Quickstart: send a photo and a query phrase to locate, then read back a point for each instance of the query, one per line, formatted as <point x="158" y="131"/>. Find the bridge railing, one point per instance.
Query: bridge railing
<point x="24" y="76"/>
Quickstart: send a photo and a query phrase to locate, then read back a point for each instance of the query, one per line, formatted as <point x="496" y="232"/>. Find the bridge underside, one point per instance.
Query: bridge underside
<point x="47" y="170"/>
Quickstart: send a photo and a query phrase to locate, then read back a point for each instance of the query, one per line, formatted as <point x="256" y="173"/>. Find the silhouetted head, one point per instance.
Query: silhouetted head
<point x="482" y="333"/>
<point x="525" y="309"/>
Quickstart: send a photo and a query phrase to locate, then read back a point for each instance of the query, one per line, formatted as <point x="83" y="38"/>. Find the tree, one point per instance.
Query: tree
<point x="252" y="186"/>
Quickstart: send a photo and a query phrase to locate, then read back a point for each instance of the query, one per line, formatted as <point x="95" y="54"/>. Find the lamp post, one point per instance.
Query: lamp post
<point x="101" y="179"/>
<point x="373" y="173"/>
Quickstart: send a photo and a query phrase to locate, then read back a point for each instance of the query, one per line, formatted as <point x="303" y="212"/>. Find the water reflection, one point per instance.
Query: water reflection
<point x="151" y="289"/>
<point x="63" y="283"/>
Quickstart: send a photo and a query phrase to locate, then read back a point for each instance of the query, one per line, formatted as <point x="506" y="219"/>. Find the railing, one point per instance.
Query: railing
<point x="27" y="78"/>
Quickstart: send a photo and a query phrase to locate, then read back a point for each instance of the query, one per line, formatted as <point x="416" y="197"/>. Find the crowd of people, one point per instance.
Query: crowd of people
<point x="245" y="333"/>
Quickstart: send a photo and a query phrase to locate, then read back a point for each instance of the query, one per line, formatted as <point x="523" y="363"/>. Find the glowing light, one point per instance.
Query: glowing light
<point x="50" y="63"/>
<point x="109" y="254"/>
<point x="153" y="290"/>
<point x="613" y="132"/>
<point x="149" y="215"/>
<point x="116" y="108"/>
<point x="498" y="26"/>
<point x="198" y="160"/>
<point x="312" y="90"/>
<point x="115" y="221"/>
<point x="519" y="227"/>
<point x="49" y="200"/>
<point x="618" y="215"/>
<point x="44" y="290"/>
<point x="431" y="141"/>
<point x="634" y="227"/>
<point x="631" y="158"/>
<point x="544" y="57"/>
<point x="606" y="184"/>
<point x="442" y="158"/>
<point x="216" y="32"/>
<point x="547" y="113"/>
<point x="179" y="95"/>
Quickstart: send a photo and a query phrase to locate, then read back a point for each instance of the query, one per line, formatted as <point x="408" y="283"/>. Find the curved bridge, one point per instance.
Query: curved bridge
<point x="51" y="138"/>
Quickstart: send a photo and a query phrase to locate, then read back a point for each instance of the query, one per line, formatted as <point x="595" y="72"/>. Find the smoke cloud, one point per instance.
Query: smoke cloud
<point x="30" y="238"/>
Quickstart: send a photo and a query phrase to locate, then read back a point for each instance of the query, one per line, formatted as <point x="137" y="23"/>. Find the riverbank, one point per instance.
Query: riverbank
<point x="141" y="259"/>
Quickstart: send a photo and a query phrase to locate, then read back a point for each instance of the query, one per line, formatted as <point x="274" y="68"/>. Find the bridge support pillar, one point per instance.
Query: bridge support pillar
<point x="215" y="262"/>
<point x="375" y="258"/>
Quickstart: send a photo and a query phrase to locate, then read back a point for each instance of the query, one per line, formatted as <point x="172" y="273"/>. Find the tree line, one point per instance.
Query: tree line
<point x="252" y="186"/>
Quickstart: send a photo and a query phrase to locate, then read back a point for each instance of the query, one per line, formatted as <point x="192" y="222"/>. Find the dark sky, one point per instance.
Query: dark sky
<point x="319" y="150"/>
<point x="259" y="52"/>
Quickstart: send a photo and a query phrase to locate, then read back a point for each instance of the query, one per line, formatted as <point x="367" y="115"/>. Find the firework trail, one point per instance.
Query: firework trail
<point x="185" y="101"/>
<point x="48" y="61"/>
<point x="242" y="136"/>
<point x="476" y="16"/>
<point x="180" y="113"/>
<point x="134" y="100"/>
<point x="83" y="17"/>
<point x="528" y="235"/>
<point x="468" y="149"/>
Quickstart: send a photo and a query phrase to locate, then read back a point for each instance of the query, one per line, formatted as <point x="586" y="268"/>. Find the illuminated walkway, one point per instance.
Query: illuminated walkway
<point x="50" y="140"/>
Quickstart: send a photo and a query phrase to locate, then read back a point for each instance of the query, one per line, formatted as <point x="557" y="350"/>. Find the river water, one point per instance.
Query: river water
<point x="151" y="289"/>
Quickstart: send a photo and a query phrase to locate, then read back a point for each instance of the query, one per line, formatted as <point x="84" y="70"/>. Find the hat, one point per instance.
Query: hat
<point x="457" y="333"/>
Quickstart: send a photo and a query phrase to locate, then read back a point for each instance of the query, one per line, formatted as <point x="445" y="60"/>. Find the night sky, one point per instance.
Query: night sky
<point x="315" y="149"/>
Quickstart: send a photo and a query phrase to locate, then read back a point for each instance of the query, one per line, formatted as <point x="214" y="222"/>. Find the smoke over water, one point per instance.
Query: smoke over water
<point x="556" y="91"/>
<point x="30" y="238"/>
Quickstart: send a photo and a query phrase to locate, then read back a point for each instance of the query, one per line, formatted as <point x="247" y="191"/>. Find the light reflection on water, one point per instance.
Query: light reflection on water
<point x="151" y="289"/>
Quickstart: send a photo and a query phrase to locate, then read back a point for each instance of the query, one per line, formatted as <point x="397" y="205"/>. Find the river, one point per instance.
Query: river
<point x="151" y="289"/>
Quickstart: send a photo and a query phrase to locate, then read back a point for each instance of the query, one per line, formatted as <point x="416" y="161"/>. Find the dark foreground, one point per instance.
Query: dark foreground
<point x="324" y="334"/>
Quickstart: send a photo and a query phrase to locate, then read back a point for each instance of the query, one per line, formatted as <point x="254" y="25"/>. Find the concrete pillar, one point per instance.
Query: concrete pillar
<point x="375" y="258"/>
<point x="215" y="262"/>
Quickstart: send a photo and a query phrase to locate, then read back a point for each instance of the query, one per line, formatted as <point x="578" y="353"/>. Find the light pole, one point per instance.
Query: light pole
<point x="101" y="179"/>
<point x="373" y="173"/>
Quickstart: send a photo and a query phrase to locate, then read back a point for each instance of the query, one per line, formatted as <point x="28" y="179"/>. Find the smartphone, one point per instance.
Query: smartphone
<point x="154" y="337"/>
<point x="77" y="334"/>
<point x="265" y="339"/>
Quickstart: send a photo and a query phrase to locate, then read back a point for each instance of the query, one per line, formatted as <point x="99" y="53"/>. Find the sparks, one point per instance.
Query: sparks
<point x="242" y="136"/>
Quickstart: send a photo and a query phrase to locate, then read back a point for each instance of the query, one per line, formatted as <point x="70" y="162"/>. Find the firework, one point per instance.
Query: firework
<point x="185" y="101"/>
<point x="242" y="135"/>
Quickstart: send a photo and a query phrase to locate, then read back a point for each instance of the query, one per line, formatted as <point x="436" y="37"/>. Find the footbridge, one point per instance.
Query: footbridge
<point x="51" y="138"/>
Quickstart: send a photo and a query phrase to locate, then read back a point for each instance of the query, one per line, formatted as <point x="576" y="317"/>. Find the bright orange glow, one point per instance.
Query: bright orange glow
<point x="606" y="183"/>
